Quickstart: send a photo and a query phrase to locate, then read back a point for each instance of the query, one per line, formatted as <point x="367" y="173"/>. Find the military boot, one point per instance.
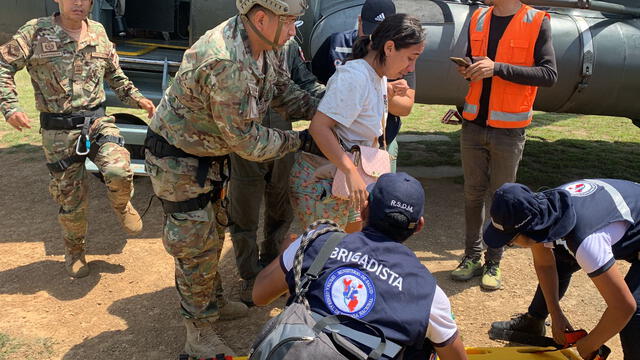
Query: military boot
<point x="75" y="263"/>
<point x="522" y="323"/>
<point x="230" y="310"/>
<point x="202" y="340"/>
<point x="129" y="218"/>
<point x="246" y="291"/>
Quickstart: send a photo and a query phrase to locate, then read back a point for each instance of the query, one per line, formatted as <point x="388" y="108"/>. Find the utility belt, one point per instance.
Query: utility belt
<point x="160" y="147"/>
<point x="70" y="121"/>
<point x="74" y="121"/>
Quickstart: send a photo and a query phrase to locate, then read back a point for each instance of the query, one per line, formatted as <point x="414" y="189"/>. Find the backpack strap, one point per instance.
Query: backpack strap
<point x="310" y="235"/>
<point x="379" y="343"/>
<point x="322" y="257"/>
<point x="318" y="263"/>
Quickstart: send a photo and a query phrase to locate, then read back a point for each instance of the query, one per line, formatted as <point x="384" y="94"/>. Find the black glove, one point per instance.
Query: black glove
<point x="307" y="144"/>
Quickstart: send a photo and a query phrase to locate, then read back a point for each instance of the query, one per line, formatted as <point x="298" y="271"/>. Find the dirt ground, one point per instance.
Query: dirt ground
<point x="127" y="307"/>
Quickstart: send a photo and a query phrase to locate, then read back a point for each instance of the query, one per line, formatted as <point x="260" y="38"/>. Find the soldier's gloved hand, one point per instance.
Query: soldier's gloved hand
<point x="305" y="140"/>
<point x="19" y="120"/>
<point x="307" y="144"/>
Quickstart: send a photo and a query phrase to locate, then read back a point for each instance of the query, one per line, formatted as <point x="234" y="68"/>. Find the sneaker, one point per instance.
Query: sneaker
<point x="203" y="341"/>
<point x="246" y="292"/>
<point x="491" y="276"/>
<point x="523" y="323"/>
<point x="129" y="218"/>
<point x="468" y="268"/>
<point x="232" y="310"/>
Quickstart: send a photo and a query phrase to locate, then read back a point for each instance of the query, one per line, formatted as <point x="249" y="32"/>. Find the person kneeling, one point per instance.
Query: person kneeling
<point x="371" y="276"/>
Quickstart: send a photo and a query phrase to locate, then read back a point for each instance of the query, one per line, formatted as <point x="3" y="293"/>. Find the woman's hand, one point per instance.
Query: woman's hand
<point x="559" y="325"/>
<point x="358" y="194"/>
<point x="397" y="88"/>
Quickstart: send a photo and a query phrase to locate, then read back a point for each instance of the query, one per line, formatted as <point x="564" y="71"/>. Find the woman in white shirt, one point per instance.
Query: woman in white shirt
<point x="352" y="112"/>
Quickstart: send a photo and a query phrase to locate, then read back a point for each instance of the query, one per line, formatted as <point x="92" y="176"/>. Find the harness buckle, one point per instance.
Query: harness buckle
<point x="84" y="133"/>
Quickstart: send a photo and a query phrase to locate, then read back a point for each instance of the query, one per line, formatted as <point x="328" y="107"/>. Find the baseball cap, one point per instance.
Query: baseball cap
<point x="543" y="216"/>
<point x="396" y="193"/>
<point x="374" y="12"/>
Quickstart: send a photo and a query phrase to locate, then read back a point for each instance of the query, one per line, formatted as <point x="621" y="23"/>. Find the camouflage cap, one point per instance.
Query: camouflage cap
<point x="279" y="7"/>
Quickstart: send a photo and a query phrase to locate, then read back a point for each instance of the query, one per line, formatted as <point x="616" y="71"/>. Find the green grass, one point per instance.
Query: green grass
<point x="32" y="349"/>
<point x="12" y="141"/>
<point x="559" y="148"/>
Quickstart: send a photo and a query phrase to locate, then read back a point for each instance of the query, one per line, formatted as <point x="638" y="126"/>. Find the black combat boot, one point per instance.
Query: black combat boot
<point x="524" y="323"/>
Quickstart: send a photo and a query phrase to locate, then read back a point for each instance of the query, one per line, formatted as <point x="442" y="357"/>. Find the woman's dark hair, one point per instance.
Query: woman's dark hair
<point x="402" y="29"/>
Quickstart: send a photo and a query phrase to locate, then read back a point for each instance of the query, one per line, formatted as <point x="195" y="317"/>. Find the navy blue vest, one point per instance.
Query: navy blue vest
<point x="599" y="202"/>
<point x="375" y="279"/>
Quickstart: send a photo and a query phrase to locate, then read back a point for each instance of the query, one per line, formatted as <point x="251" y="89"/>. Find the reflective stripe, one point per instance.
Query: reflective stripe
<point x="471" y="109"/>
<point x="342" y="49"/>
<point x="481" y="17"/>
<point x="528" y="17"/>
<point x="622" y="206"/>
<point x="505" y="116"/>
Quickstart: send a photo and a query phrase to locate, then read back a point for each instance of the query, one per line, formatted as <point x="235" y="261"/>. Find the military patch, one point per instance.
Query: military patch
<point x="99" y="55"/>
<point x="50" y="54"/>
<point x="11" y="51"/>
<point x="78" y="68"/>
<point x="49" y="46"/>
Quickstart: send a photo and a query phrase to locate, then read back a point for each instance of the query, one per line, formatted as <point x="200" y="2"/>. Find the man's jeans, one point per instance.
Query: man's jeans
<point x="490" y="158"/>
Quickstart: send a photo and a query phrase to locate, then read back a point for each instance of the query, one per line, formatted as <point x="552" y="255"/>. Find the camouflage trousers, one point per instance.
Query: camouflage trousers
<point x="69" y="187"/>
<point x="193" y="238"/>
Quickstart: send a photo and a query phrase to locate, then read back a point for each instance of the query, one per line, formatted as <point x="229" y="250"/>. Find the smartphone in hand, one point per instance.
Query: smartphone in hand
<point x="460" y="61"/>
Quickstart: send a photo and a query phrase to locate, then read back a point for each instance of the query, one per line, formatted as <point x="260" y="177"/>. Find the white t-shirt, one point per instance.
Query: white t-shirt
<point x="355" y="98"/>
<point x="441" y="328"/>
<point x="595" y="253"/>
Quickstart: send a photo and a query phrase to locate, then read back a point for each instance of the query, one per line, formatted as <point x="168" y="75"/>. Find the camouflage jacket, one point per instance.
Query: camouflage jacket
<point x="294" y="59"/>
<point x="66" y="76"/>
<point x="219" y="96"/>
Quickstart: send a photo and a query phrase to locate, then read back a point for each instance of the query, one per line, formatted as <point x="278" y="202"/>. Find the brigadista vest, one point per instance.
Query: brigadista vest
<point x="510" y="104"/>
<point x="599" y="202"/>
<point x="375" y="279"/>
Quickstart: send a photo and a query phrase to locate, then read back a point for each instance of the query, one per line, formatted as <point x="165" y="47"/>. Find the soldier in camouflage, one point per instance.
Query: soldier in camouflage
<point x="224" y="87"/>
<point x="68" y="56"/>
<point x="250" y="180"/>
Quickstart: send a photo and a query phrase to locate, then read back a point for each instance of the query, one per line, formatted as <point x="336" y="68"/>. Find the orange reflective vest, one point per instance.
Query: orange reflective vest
<point x="510" y="104"/>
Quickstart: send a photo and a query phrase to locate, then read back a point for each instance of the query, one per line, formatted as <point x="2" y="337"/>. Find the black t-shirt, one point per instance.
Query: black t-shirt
<point x="543" y="73"/>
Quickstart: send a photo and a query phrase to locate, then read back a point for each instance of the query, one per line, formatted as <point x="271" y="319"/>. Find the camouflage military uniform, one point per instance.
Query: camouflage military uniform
<point x="67" y="77"/>
<point x="249" y="180"/>
<point x="213" y="108"/>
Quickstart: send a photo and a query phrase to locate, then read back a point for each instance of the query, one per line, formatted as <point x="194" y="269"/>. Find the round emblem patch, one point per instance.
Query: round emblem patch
<point x="582" y="188"/>
<point x="349" y="291"/>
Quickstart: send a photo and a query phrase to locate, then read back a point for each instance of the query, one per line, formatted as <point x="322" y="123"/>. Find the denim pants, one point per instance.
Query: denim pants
<point x="490" y="158"/>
